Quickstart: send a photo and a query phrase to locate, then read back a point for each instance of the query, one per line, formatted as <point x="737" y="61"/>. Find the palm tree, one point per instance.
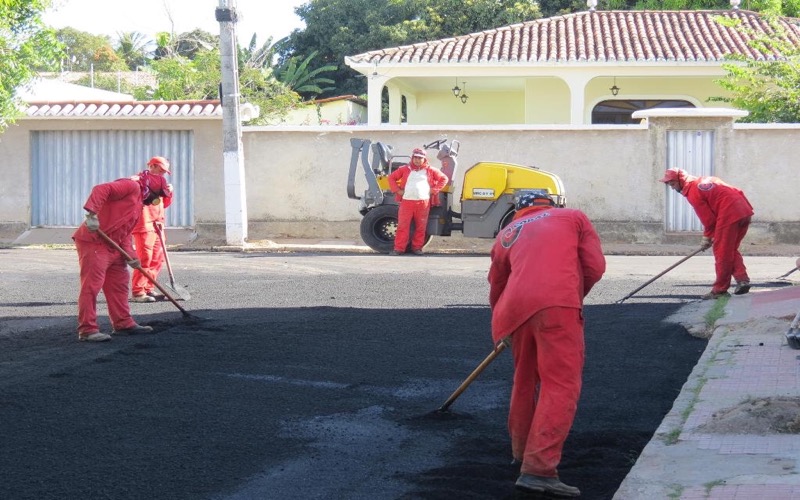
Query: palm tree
<point x="133" y="48"/>
<point x="253" y="56"/>
<point x="303" y="80"/>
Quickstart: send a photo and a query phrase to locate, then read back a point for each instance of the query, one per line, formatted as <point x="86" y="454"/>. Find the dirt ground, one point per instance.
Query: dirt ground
<point x="760" y="416"/>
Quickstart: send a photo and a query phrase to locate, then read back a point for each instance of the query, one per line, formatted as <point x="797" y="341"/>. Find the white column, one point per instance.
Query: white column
<point x="374" y="91"/>
<point x="232" y="154"/>
<point x="577" y="89"/>
<point x="395" y="104"/>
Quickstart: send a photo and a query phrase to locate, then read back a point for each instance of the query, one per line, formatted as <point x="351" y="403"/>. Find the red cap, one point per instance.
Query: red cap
<point x="419" y="152"/>
<point x="671" y="175"/>
<point x="159" y="161"/>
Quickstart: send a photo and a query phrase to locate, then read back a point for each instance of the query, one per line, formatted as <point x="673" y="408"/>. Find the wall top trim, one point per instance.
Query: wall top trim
<point x="690" y="113"/>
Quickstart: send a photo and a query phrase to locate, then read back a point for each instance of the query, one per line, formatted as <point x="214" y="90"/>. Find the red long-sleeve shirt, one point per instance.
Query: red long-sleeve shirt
<point x="546" y="257"/>
<point x="118" y="205"/>
<point x="716" y="203"/>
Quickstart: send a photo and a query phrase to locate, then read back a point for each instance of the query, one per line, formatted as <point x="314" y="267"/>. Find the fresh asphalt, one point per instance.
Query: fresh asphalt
<point x="308" y="375"/>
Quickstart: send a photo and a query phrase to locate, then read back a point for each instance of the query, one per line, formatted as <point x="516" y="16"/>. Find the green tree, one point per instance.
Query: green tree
<point x="191" y="43"/>
<point x="82" y="49"/>
<point x="25" y="45"/>
<point x="105" y="59"/>
<point x="187" y="45"/>
<point x="134" y="48"/>
<point x="338" y="28"/>
<point x="768" y="89"/>
<point x="181" y="78"/>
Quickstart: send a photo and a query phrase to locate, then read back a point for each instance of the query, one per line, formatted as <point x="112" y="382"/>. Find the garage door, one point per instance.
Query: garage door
<point x="693" y="151"/>
<point x="66" y="164"/>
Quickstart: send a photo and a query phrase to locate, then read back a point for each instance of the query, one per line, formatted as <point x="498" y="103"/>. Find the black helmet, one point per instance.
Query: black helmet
<point x="527" y="199"/>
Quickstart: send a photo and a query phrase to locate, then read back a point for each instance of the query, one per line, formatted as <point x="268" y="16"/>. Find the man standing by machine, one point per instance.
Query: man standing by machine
<point x="725" y="214"/>
<point x="113" y="207"/>
<point x="148" y="237"/>
<point x="543" y="265"/>
<point x="416" y="186"/>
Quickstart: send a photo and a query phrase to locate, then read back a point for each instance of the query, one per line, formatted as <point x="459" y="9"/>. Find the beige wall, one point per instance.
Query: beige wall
<point x="296" y="176"/>
<point x="301" y="174"/>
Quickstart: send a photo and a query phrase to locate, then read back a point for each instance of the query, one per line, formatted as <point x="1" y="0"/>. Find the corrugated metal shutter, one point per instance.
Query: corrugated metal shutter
<point x="693" y="151"/>
<point x="66" y="164"/>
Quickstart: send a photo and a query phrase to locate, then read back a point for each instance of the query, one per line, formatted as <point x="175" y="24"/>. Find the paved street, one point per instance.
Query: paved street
<point x="315" y="376"/>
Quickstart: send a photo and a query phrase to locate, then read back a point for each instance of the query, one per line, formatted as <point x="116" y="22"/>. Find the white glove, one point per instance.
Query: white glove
<point x="135" y="263"/>
<point x="92" y="224"/>
<point x="706" y="243"/>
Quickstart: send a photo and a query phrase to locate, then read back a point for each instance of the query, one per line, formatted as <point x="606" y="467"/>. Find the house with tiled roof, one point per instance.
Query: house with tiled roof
<point x="338" y="110"/>
<point x="590" y="67"/>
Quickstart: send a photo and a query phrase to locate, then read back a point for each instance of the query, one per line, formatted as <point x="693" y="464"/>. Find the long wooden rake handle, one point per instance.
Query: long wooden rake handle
<point x="472" y="376"/>
<point x="143" y="271"/>
<point x="662" y="273"/>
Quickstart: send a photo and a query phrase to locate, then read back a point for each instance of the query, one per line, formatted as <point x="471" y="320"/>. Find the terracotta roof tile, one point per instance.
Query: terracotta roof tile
<point x="127" y="109"/>
<point x="607" y="36"/>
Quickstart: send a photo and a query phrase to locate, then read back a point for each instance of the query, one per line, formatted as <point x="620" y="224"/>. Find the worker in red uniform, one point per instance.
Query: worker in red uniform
<point x="725" y="214"/>
<point x="147" y="238"/>
<point x="114" y="207"/>
<point x="416" y="186"/>
<point x="543" y="264"/>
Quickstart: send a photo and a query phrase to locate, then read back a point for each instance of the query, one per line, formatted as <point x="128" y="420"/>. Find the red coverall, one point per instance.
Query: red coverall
<point x="725" y="214"/>
<point x="414" y="210"/>
<point x="543" y="265"/>
<point x="118" y="206"/>
<point x="148" y="247"/>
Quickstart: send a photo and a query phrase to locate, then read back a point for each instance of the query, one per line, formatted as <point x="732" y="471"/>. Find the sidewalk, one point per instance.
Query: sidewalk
<point x="721" y="438"/>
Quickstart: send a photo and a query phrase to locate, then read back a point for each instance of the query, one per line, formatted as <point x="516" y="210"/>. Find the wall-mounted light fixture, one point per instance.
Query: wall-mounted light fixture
<point x="456" y="90"/>
<point x="614" y="89"/>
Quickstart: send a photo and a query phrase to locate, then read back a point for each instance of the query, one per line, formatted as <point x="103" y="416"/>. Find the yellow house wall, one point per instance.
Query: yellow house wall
<point x="547" y="101"/>
<point x="697" y="90"/>
<point x="482" y="108"/>
<point x="331" y="113"/>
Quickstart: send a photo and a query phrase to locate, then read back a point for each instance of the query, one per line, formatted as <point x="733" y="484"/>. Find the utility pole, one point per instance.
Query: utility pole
<point x="232" y="155"/>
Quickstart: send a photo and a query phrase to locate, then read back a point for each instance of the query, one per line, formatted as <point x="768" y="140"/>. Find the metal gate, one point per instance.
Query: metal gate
<point x="66" y="164"/>
<point x="693" y="151"/>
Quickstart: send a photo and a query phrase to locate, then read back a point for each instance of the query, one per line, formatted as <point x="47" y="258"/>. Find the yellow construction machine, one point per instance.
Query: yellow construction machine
<point x="488" y="193"/>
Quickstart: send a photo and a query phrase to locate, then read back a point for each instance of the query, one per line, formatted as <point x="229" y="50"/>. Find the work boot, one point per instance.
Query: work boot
<point x="142" y="298"/>
<point x="395" y="252"/>
<point x="155" y="295"/>
<point x="417" y="252"/>
<point x="94" y="337"/>
<point x="551" y="485"/>
<point x="742" y="287"/>
<point x="714" y="295"/>
<point x="134" y="330"/>
<point x="793" y="339"/>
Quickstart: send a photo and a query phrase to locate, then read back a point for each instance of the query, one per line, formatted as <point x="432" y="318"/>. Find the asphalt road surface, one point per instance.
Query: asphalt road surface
<point x="315" y="376"/>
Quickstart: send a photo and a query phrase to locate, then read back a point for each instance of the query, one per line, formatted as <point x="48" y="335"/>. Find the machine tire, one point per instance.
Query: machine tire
<point x="506" y="220"/>
<point x="379" y="227"/>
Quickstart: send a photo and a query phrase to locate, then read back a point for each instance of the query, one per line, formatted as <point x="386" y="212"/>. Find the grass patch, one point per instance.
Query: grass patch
<point x="716" y="312"/>
<point x="676" y="492"/>
<point x="710" y="486"/>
